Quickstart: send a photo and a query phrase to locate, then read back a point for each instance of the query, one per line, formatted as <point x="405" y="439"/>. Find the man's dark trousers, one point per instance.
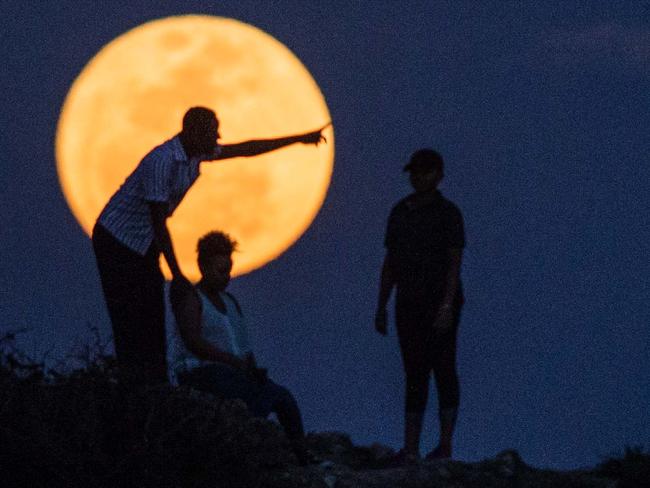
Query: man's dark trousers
<point x="133" y="287"/>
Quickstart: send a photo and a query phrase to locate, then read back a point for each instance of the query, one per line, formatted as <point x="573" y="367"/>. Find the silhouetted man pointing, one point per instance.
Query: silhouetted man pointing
<point x="424" y="242"/>
<point x="131" y="232"/>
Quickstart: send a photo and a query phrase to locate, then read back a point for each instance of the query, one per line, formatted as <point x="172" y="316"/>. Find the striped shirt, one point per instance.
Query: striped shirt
<point x="164" y="175"/>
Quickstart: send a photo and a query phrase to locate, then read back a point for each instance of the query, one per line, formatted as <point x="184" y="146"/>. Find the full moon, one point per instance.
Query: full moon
<point x="131" y="97"/>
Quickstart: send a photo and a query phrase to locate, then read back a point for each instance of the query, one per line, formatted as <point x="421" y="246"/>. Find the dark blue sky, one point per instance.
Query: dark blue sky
<point x="541" y="111"/>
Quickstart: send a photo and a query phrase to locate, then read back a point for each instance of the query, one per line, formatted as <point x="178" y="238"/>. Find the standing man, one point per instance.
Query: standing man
<point x="131" y="232"/>
<point x="424" y="242"/>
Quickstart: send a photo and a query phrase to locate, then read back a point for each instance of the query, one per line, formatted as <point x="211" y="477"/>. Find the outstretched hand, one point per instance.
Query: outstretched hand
<point x="315" y="137"/>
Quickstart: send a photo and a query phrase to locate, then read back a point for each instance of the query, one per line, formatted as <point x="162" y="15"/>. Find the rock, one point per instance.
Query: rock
<point x="381" y="453"/>
<point x="444" y="472"/>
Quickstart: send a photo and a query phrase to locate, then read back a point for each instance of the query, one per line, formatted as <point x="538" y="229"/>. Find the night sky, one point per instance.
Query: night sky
<point x="541" y="112"/>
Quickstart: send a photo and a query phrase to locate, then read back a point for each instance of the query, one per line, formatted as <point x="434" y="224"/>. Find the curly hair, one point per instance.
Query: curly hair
<point x="215" y="242"/>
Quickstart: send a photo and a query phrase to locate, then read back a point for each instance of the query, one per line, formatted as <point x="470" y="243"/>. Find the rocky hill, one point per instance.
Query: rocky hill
<point x="80" y="430"/>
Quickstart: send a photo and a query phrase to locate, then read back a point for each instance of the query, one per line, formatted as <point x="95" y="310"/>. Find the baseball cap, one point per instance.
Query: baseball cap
<point x="425" y="159"/>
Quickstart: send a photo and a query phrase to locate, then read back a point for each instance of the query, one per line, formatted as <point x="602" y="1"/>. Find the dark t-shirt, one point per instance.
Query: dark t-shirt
<point x="418" y="239"/>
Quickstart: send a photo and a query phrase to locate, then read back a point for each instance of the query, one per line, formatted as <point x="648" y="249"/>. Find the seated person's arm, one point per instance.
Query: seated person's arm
<point x="187" y="311"/>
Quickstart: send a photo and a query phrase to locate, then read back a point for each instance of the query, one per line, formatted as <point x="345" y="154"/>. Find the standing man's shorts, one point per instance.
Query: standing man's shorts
<point x="424" y="352"/>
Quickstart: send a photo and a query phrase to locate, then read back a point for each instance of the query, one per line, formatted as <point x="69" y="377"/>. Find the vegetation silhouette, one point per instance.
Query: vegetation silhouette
<point x="61" y="429"/>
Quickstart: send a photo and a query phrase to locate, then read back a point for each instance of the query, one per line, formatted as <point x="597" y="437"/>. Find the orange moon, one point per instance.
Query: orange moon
<point x="131" y="97"/>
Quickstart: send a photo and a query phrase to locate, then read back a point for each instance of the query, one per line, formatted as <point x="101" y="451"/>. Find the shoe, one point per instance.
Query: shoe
<point x="402" y="459"/>
<point x="440" y="453"/>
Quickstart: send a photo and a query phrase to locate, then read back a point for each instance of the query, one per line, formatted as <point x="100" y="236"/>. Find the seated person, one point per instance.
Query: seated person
<point x="210" y="347"/>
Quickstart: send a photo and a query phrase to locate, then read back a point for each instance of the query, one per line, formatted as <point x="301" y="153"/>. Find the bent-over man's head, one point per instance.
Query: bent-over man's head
<point x="200" y="131"/>
<point x="426" y="170"/>
<point x="215" y="259"/>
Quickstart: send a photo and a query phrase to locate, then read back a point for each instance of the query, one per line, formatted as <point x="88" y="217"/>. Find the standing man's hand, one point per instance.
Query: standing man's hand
<point x="181" y="285"/>
<point x="180" y="281"/>
<point x="315" y="137"/>
<point x="381" y="322"/>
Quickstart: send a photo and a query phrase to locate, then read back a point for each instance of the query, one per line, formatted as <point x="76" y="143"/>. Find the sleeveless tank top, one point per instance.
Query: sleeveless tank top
<point x="228" y="332"/>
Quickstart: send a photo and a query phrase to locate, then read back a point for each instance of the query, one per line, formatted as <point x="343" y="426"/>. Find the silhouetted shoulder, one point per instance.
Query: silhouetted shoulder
<point x="401" y="204"/>
<point x="450" y="206"/>
<point x="162" y="151"/>
<point x="436" y="224"/>
<point x="394" y="226"/>
<point x="167" y="152"/>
